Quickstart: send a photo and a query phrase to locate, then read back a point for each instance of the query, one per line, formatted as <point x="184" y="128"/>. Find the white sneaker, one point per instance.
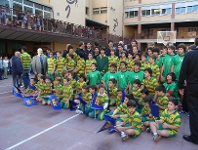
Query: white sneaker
<point x="123" y="134"/>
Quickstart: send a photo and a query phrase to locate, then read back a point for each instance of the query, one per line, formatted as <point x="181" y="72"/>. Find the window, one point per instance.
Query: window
<point x="17" y="8"/>
<point x="48" y="14"/>
<point x="19" y="1"/>
<point x="87" y="10"/>
<point x="28" y="3"/>
<point x="133" y="14"/>
<point x="156" y="12"/>
<point x="103" y="11"/>
<point x="126" y="15"/>
<point x="180" y="10"/>
<point x="166" y="11"/>
<point x="28" y="9"/>
<point x="192" y="29"/>
<point x="192" y="9"/>
<point x="146" y="13"/>
<point x="95" y="12"/>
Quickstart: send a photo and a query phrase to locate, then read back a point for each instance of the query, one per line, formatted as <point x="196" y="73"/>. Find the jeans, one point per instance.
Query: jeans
<point x="17" y="81"/>
<point x="26" y="78"/>
<point x="1" y="74"/>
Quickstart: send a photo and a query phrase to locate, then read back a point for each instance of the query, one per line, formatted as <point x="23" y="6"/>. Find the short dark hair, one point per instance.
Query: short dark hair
<point x="150" y="48"/>
<point x="119" y="90"/>
<point x="59" y="52"/>
<point x="123" y="62"/>
<point x="67" y="79"/>
<point x="145" y="91"/>
<point x="131" y="103"/>
<point x="73" y="74"/>
<point x="97" y="47"/>
<point x="149" y="70"/>
<point x="85" y="87"/>
<point x="172" y="47"/>
<point x="110" y="41"/>
<point x="81" y="55"/>
<point x="103" y="48"/>
<point x="81" y="43"/>
<point x="160" y="88"/>
<point x="94" y="64"/>
<point x="137" y="64"/>
<point x="153" y="56"/>
<point x="172" y="74"/>
<point x="113" y="81"/>
<point x="130" y="53"/>
<point x="156" y="49"/>
<point x="137" y="81"/>
<point x="148" y="99"/>
<point x="113" y="65"/>
<point x="138" y="54"/>
<point x="71" y="55"/>
<point x="121" y="45"/>
<point x="24" y="48"/>
<point x="96" y="43"/>
<point x="89" y="42"/>
<point x="174" y="101"/>
<point x="70" y="47"/>
<point x="183" y="46"/>
<point x="82" y="75"/>
<point x="49" y="49"/>
<point x="93" y="87"/>
<point x="134" y="41"/>
<point x="130" y="96"/>
<point x="144" y="55"/>
<point x="192" y="47"/>
<point x="113" y="49"/>
<point x="101" y="86"/>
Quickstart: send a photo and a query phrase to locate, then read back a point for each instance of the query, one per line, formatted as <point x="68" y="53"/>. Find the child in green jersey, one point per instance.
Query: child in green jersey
<point x="71" y="64"/>
<point x="39" y="87"/>
<point x="149" y="52"/>
<point x="51" y="64"/>
<point x="94" y="76"/>
<point x="162" y="99"/>
<point x="146" y="114"/>
<point x="67" y="93"/>
<point x="167" y="62"/>
<point x="123" y="76"/>
<point x="123" y="57"/>
<point x="110" y="74"/>
<point x="30" y="91"/>
<point x="137" y="57"/>
<point x="60" y="64"/>
<point x="101" y="100"/>
<point x="169" y="123"/>
<point x="144" y="93"/>
<point x="177" y="60"/>
<point x="132" y="127"/>
<point x="112" y="92"/>
<point x="171" y="86"/>
<point x="71" y="51"/>
<point x="71" y="77"/>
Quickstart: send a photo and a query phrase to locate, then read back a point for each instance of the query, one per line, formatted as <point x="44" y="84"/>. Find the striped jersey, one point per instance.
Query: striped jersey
<point x="26" y="60"/>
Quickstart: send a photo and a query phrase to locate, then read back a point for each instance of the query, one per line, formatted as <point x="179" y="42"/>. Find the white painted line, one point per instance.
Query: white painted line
<point x="6" y="85"/>
<point x="6" y="92"/>
<point x="34" y="136"/>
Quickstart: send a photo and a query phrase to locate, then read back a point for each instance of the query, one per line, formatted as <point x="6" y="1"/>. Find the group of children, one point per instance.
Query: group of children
<point x="124" y="91"/>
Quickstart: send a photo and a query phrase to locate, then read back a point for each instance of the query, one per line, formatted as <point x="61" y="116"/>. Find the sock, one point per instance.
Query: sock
<point x="155" y="133"/>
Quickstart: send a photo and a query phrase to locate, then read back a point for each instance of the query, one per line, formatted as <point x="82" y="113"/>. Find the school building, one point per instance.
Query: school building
<point x="70" y="21"/>
<point x="143" y="18"/>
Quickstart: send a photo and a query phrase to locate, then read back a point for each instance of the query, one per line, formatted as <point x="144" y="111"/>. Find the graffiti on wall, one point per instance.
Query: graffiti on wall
<point x="115" y="24"/>
<point x="68" y="7"/>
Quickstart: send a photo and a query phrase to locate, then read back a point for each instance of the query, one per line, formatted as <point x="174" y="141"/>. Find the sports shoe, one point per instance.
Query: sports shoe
<point x="148" y="130"/>
<point x="124" y="136"/>
<point x="156" y="138"/>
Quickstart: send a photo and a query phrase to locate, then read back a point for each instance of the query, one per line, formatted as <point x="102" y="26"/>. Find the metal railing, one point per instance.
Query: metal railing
<point x="25" y="20"/>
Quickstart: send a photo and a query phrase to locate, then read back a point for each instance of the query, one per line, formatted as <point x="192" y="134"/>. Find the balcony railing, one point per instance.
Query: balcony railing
<point x="27" y="21"/>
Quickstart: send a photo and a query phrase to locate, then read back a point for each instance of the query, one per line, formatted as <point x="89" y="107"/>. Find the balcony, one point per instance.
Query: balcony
<point x="17" y="25"/>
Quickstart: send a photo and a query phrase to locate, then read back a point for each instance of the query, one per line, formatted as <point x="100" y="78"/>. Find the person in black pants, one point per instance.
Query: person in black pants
<point x="189" y="72"/>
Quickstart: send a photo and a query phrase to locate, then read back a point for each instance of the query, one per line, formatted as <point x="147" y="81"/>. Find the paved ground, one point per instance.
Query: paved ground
<point x="29" y="128"/>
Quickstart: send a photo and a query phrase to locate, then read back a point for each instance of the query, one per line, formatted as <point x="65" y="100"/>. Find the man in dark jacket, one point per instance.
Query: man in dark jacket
<point x="189" y="72"/>
<point x="17" y="69"/>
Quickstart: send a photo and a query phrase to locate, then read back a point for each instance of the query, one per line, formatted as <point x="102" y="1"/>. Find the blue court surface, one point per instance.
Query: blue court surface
<point x="42" y="128"/>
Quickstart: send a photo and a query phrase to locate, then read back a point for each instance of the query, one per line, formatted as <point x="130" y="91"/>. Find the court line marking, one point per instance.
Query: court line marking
<point x="6" y="92"/>
<point x="6" y="85"/>
<point x="34" y="136"/>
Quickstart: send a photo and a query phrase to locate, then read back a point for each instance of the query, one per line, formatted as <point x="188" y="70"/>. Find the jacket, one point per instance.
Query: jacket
<point x="17" y="67"/>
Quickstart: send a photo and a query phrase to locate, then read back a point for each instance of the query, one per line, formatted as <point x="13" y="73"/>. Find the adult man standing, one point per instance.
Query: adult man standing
<point x="17" y="69"/>
<point x="26" y="61"/>
<point x="190" y="74"/>
<point x="39" y="63"/>
<point x="88" y="50"/>
<point x="81" y="48"/>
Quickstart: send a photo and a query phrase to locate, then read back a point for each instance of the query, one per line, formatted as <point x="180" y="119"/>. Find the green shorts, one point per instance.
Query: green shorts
<point x="137" y="131"/>
<point x="171" y="132"/>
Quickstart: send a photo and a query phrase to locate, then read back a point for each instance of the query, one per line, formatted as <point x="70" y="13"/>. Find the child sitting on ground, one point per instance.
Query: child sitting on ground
<point x="136" y="90"/>
<point x="169" y="123"/>
<point x="132" y="127"/>
<point x="67" y="93"/>
<point x="146" y="114"/>
<point x="30" y="91"/>
<point x="101" y="100"/>
<point x="58" y="88"/>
